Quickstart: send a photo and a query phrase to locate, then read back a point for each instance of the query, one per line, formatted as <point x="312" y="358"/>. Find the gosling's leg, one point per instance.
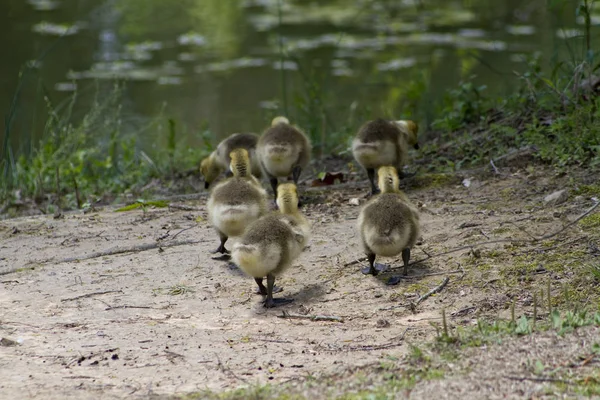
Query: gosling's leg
<point x="273" y="182"/>
<point x="221" y="249"/>
<point x="270" y="302"/>
<point x="406" y="259"/>
<point x="394" y="280"/>
<point x="295" y="176"/>
<point x="296" y="173"/>
<point x="371" y="175"/>
<point x="262" y="289"/>
<point x="206" y="185"/>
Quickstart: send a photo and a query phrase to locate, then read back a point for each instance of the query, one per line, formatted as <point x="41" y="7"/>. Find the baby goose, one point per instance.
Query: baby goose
<point x="237" y="201"/>
<point x="212" y="166"/>
<point x="283" y="150"/>
<point x="382" y="142"/>
<point x="272" y="243"/>
<point x="388" y="223"/>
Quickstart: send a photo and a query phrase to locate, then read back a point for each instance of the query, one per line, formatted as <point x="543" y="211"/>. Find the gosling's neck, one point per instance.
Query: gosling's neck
<point x="387" y="184"/>
<point x="288" y="205"/>
<point x="240" y="168"/>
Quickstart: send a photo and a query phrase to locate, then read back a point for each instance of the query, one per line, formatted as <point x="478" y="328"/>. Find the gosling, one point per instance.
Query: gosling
<point x="388" y="224"/>
<point x="237" y="201"/>
<point x="213" y="165"/>
<point x="283" y="149"/>
<point x="272" y="243"/>
<point x="382" y="142"/>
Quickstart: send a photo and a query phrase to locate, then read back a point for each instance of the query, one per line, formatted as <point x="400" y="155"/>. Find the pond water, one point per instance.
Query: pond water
<point x="232" y="64"/>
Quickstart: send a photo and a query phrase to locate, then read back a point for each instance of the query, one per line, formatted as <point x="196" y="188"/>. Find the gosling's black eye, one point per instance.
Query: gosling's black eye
<point x="416" y="146"/>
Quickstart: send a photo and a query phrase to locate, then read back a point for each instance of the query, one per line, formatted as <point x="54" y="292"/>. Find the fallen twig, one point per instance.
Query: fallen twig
<point x="91" y="294"/>
<point x="433" y="291"/>
<point x="456" y="271"/>
<point x="184" y="208"/>
<point x="494" y="166"/>
<point x="125" y="306"/>
<point x="357" y="261"/>
<point x="537" y="379"/>
<point x="130" y="249"/>
<point x="183" y="230"/>
<point x="285" y="314"/>
<point x="380" y="346"/>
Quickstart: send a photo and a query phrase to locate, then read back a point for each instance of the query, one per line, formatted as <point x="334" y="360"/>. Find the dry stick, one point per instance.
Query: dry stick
<point x="125" y="306"/>
<point x="129" y="249"/>
<point x="183" y="230"/>
<point x="535" y="379"/>
<point x="494" y="166"/>
<point x="184" y="208"/>
<point x="285" y="314"/>
<point x="91" y="294"/>
<point x="435" y="290"/>
<point x="456" y="271"/>
<point x="380" y="346"/>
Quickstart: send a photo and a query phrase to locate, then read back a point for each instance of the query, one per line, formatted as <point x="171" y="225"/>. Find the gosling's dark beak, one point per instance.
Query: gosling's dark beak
<point x="416" y="146"/>
<point x="206" y="185"/>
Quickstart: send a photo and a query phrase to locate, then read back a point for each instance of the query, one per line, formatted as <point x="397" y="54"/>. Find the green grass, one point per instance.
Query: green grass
<point x="71" y="168"/>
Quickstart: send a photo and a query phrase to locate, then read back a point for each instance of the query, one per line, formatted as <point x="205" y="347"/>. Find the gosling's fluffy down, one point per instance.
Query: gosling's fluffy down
<point x="389" y="223"/>
<point x="380" y="142"/>
<point x="273" y="242"/>
<point x="237" y="201"/>
<point x="283" y="149"/>
<point x="212" y="166"/>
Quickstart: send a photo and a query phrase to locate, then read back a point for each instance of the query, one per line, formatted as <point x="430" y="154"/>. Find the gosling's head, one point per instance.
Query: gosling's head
<point x="279" y="120"/>
<point x="209" y="170"/>
<point x="388" y="180"/>
<point x="287" y="198"/>
<point x="240" y="162"/>
<point x="411" y="129"/>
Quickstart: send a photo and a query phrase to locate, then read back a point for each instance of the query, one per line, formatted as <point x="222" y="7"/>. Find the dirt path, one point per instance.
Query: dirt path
<point x="173" y="320"/>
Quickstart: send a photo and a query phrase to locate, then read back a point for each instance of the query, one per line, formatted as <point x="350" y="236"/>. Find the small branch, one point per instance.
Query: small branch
<point x="125" y="306"/>
<point x="130" y="249"/>
<point x="535" y="379"/>
<point x="380" y="346"/>
<point x="184" y="207"/>
<point x="456" y="271"/>
<point x="494" y="166"/>
<point x="433" y="291"/>
<point x="285" y="314"/>
<point x="91" y="294"/>
<point x="357" y="261"/>
<point x="183" y="230"/>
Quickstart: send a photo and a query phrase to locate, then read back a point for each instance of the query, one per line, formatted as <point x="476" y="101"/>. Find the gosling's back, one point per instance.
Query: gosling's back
<point x="389" y="224"/>
<point x="282" y="147"/>
<point x="377" y="144"/>
<point x="269" y="245"/>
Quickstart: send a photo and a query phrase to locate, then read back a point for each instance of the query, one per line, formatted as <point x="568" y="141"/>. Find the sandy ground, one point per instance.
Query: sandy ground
<point x="174" y="320"/>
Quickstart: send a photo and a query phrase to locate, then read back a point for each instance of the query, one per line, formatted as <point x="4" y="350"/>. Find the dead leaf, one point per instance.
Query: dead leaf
<point x="328" y="178"/>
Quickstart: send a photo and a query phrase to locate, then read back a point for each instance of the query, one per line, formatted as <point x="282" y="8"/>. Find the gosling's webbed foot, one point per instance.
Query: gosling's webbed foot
<point x="222" y="257"/>
<point x="276" y="289"/>
<point x="270" y="303"/>
<point x="375" y="269"/>
<point x="221" y="249"/>
<point x="394" y="280"/>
